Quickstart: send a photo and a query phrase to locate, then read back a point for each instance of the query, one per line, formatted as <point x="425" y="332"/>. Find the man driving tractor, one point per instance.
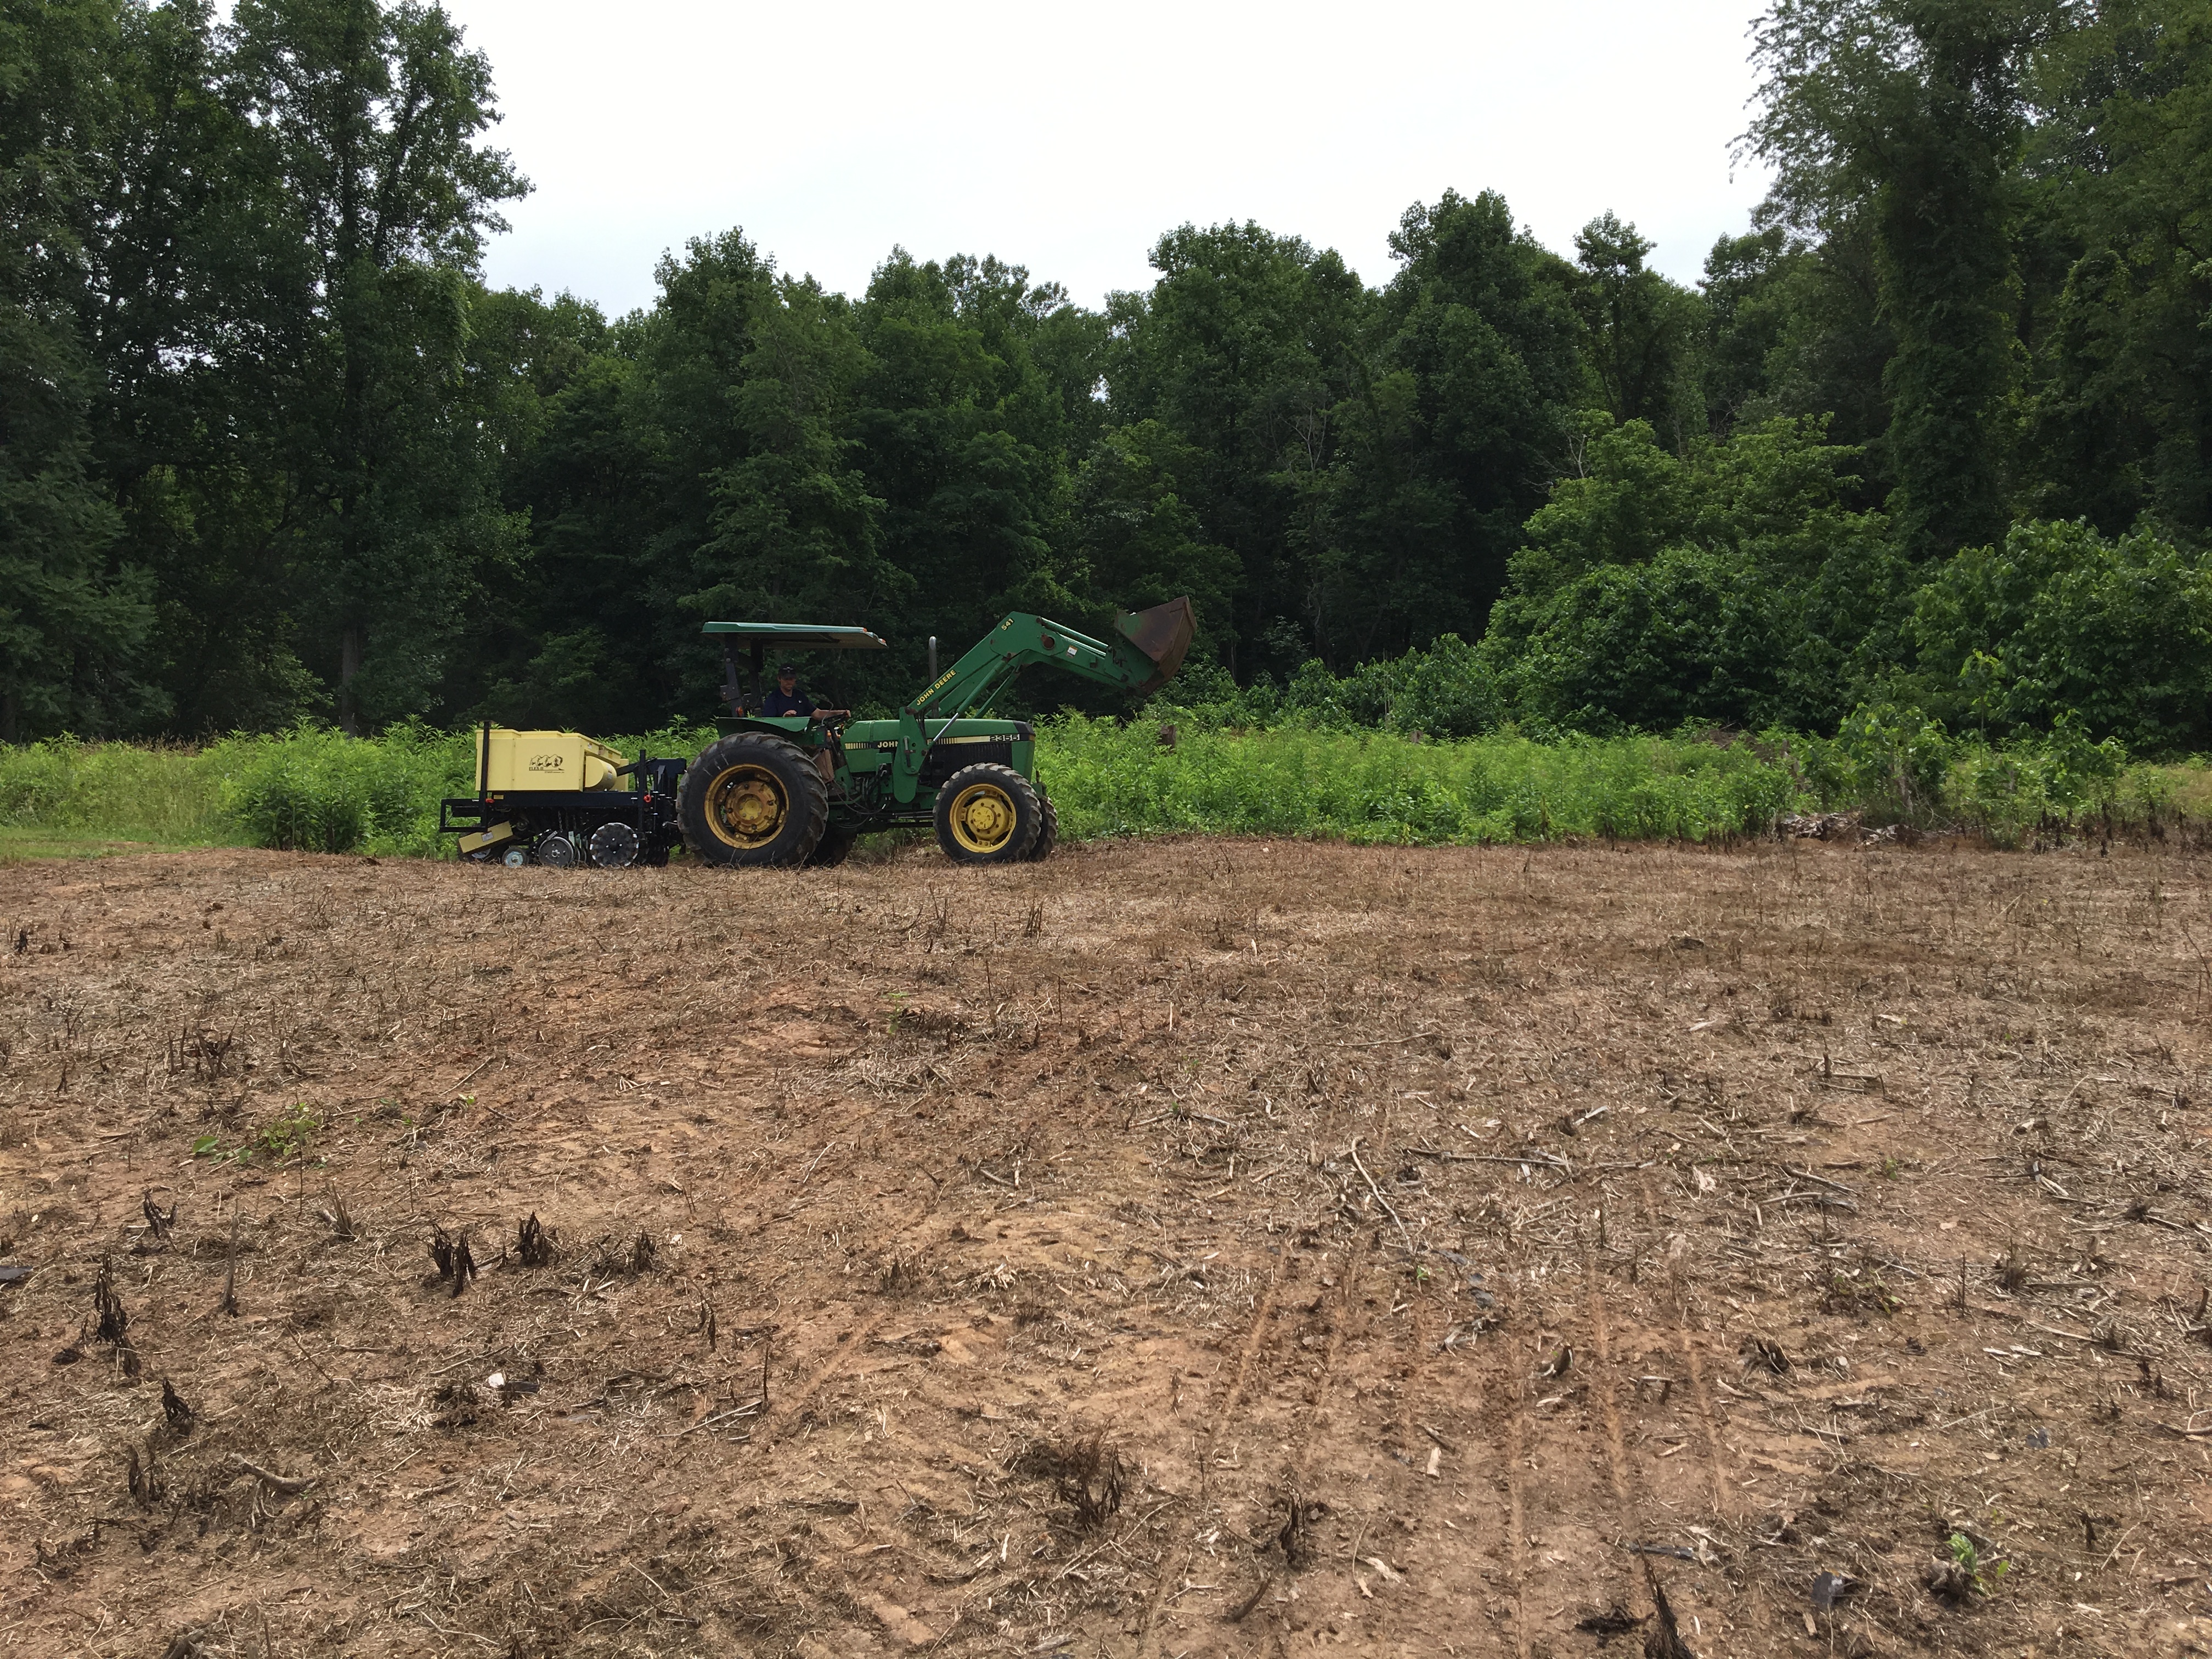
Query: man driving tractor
<point x="788" y="699"/>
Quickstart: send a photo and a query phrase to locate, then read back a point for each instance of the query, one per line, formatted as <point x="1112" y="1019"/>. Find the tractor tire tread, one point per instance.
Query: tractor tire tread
<point x="1048" y="835"/>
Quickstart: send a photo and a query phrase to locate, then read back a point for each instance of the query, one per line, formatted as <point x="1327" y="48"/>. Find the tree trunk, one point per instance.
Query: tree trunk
<point x="353" y="395"/>
<point x="349" y="665"/>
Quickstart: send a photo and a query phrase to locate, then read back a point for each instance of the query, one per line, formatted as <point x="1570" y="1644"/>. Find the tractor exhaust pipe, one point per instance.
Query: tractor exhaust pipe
<point x="933" y="658"/>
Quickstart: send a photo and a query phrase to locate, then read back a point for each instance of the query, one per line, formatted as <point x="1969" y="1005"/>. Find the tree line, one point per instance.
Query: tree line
<point x="1936" y="429"/>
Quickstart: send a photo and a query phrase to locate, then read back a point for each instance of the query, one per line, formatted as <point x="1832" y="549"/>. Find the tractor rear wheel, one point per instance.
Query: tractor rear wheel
<point x="1048" y="835"/>
<point x="752" y="800"/>
<point x="988" y="814"/>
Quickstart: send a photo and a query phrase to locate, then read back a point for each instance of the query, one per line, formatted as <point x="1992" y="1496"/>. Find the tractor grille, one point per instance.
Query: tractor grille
<point x="949" y="754"/>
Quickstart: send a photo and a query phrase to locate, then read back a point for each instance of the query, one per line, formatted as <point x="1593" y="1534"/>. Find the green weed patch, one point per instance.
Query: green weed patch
<point x="313" y="789"/>
<point x="289" y="1134"/>
<point x="1375" y="787"/>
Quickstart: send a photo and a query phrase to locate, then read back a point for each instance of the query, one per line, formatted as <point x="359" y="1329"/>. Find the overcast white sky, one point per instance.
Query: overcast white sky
<point x="1067" y="139"/>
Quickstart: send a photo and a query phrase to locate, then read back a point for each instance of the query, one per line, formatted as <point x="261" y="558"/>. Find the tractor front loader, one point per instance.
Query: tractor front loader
<point x="792" y="790"/>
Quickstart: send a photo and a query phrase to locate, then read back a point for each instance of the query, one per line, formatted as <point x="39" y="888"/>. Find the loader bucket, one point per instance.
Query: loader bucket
<point x="1162" y="634"/>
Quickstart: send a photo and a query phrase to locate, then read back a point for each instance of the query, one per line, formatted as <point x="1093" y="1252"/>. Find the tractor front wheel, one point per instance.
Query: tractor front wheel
<point x="752" y="800"/>
<point x="988" y="814"/>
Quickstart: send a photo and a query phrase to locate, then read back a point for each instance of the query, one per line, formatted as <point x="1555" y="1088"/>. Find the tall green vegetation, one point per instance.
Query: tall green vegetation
<point x="359" y="128"/>
<point x="1462" y="413"/>
<point x="1730" y="581"/>
<point x="71" y="613"/>
<point x="1932" y="435"/>
<point x="2116" y="236"/>
<point x="1313" y="773"/>
<point x="242" y="298"/>
<point x="1911" y="113"/>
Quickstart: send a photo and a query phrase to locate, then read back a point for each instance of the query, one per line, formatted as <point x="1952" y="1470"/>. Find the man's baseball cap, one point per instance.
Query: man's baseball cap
<point x="783" y="668"/>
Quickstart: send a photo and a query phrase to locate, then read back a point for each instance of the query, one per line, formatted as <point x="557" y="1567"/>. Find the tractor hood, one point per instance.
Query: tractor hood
<point x="1162" y="634"/>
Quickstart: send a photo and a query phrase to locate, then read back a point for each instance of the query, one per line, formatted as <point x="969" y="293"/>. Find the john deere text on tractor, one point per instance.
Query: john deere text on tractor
<point x="786" y="790"/>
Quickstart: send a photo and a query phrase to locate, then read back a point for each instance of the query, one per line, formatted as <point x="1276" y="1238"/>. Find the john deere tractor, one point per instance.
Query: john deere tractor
<point x="792" y="790"/>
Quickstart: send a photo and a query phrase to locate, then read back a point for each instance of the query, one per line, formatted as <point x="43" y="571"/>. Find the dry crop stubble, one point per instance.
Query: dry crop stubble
<point x="1181" y="1248"/>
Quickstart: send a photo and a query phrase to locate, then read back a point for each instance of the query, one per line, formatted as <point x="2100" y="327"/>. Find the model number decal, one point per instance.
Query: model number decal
<point x="546" y="763"/>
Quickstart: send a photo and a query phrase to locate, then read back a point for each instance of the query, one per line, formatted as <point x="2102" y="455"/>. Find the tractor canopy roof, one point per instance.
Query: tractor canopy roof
<point x="801" y="636"/>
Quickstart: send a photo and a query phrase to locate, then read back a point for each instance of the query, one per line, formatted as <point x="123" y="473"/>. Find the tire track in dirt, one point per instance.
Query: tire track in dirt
<point x="1555" y="1334"/>
<point x="1425" y="1392"/>
<point x="1221" y="1413"/>
<point x="785" y="1413"/>
<point x="1218" y="1415"/>
<point x="1319" y="1421"/>
<point x="846" y="1350"/>
<point x="771" y="1201"/>
<point x="1478" y="1392"/>
<point x="1633" y="1494"/>
<point x="1445" y="1561"/>
<point x="1596" y="1311"/>
<point x="1441" y="1561"/>
<point x="1547" y="1458"/>
<point x="1630" y="1589"/>
<point x="1516" y="1495"/>
<point x="1300" y="1460"/>
<point x="1178" y="1556"/>
<point x="1421" y="1323"/>
<point x="1685" y="1345"/>
<point x="1255" y="1335"/>
<point x="869" y="1586"/>
<point x="1315" y="1416"/>
<point x="1216" y="1418"/>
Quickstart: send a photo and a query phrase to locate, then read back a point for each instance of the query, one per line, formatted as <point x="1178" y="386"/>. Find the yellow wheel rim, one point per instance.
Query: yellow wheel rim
<point x="983" y="817"/>
<point x="745" y="806"/>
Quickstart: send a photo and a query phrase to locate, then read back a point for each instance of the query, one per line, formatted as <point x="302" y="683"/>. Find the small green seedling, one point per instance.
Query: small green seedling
<point x="1984" y="1576"/>
<point x="1854" y="1293"/>
<point x="296" y="1127"/>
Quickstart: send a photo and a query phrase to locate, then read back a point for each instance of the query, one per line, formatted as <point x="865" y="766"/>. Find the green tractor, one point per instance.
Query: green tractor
<point x="784" y="791"/>
<point x="794" y="790"/>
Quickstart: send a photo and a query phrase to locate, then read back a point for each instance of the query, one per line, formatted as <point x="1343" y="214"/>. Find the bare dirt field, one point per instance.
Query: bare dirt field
<point x="1202" y="1248"/>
